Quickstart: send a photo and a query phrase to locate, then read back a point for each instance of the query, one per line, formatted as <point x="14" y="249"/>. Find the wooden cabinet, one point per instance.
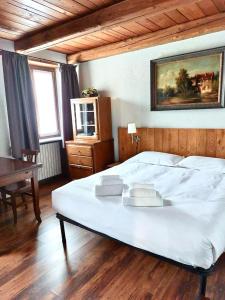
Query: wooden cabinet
<point x="92" y="118"/>
<point x="86" y="158"/>
<point x="92" y="148"/>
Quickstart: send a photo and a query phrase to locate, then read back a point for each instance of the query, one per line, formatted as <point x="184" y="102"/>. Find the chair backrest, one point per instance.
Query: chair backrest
<point x="29" y="155"/>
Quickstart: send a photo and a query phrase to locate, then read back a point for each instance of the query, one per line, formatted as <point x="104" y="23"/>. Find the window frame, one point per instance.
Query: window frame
<point x="56" y="101"/>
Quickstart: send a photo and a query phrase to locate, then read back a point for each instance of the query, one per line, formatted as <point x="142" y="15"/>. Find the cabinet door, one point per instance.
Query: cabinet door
<point x="84" y="118"/>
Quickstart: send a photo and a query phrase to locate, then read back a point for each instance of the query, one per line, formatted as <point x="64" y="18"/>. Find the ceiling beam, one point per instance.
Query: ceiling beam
<point x="175" y="33"/>
<point x="104" y="18"/>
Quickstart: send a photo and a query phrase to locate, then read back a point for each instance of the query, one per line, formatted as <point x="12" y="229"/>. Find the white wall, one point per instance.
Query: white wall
<point x="126" y="79"/>
<point x="4" y="131"/>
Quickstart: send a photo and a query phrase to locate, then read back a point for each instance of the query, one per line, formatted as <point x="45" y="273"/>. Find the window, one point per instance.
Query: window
<point x="44" y="85"/>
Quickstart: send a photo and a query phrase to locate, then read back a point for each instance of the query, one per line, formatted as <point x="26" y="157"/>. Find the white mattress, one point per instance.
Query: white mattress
<point x="190" y="228"/>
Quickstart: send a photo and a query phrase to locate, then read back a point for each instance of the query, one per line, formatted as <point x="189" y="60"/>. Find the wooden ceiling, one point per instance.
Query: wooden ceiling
<point x="20" y="17"/>
<point x="89" y="29"/>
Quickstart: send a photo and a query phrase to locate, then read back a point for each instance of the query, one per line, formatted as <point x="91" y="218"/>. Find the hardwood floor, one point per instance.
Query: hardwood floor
<point x="34" y="265"/>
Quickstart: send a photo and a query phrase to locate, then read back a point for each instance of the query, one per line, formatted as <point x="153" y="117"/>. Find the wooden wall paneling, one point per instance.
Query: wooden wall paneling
<point x="181" y="141"/>
<point x="166" y="141"/>
<point x="158" y="139"/>
<point x="201" y="142"/>
<point x="126" y="148"/>
<point x="143" y="134"/>
<point x="191" y="143"/>
<point x="150" y="138"/>
<point x="174" y="139"/>
<point x="220" y="143"/>
<point x="211" y="142"/>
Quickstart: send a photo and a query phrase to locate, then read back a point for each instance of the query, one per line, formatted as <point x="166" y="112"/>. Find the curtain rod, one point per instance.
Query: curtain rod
<point x="38" y="59"/>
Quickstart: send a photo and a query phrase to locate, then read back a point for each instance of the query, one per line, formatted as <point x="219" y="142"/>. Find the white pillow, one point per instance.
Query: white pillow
<point x="156" y="158"/>
<point x="203" y="163"/>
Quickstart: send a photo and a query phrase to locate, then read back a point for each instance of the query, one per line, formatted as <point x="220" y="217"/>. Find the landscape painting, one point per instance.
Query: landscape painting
<point x="187" y="81"/>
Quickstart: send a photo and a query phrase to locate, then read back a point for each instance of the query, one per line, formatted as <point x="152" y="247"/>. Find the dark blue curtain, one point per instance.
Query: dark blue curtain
<point x="20" y="103"/>
<point x="70" y="89"/>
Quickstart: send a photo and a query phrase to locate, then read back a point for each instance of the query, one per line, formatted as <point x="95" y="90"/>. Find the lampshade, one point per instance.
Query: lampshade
<point x="131" y="128"/>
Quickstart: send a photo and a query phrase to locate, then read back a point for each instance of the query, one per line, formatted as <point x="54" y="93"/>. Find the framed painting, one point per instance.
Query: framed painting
<point x="188" y="81"/>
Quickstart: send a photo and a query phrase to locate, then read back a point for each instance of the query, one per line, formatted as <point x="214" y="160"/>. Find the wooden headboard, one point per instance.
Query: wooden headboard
<point x="204" y="142"/>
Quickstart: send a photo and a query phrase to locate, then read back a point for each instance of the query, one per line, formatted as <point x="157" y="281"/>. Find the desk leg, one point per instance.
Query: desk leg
<point x="35" y="192"/>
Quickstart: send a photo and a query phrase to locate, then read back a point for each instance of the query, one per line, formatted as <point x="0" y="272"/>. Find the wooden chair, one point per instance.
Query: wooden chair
<point x="19" y="189"/>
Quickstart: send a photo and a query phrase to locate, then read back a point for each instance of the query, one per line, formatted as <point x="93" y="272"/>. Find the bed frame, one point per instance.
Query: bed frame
<point x="203" y="273"/>
<point x="203" y="142"/>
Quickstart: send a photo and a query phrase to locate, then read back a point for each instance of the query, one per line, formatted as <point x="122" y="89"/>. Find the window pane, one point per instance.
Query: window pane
<point x="45" y="103"/>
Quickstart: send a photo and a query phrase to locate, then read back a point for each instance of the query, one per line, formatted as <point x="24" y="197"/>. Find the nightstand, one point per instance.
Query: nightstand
<point x="113" y="164"/>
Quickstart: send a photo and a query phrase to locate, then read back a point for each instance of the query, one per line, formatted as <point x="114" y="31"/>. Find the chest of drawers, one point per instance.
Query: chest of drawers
<point x="86" y="158"/>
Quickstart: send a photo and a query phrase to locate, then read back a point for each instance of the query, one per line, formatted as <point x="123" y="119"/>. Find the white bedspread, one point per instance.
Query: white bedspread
<point x="190" y="229"/>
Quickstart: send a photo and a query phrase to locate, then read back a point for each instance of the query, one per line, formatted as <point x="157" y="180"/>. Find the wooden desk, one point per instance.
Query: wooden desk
<point x="13" y="170"/>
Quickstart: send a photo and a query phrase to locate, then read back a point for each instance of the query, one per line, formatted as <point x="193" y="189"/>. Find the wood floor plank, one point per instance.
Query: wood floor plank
<point x="35" y="266"/>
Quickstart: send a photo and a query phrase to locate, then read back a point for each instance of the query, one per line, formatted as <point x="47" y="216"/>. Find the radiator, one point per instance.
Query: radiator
<point x="50" y="159"/>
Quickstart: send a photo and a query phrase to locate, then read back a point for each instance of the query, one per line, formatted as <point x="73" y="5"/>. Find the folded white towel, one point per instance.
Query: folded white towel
<point x="142" y="185"/>
<point x="138" y="201"/>
<point x="110" y="180"/>
<point x="110" y="177"/>
<point x="141" y="192"/>
<point x="109" y="190"/>
<point x="152" y="200"/>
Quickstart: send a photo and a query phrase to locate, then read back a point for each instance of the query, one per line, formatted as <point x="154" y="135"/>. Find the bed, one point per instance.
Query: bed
<point x="188" y="230"/>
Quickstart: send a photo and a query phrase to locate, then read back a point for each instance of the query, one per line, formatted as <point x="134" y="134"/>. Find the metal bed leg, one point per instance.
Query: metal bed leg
<point x="63" y="233"/>
<point x="203" y="283"/>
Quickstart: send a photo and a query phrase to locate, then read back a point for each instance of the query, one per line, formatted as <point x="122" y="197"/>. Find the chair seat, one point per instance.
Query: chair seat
<point x="18" y="187"/>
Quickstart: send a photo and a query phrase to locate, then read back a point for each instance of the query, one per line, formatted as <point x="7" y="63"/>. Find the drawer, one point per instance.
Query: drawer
<point x="77" y="172"/>
<point x="79" y="150"/>
<point x="80" y="160"/>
